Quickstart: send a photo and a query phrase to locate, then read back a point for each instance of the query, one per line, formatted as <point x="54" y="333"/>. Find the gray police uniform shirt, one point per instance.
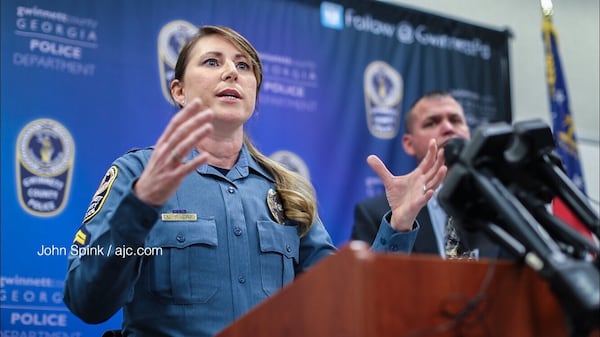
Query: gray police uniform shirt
<point x="193" y="265"/>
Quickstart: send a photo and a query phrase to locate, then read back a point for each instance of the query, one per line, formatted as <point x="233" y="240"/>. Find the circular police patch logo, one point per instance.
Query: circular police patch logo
<point x="172" y="37"/>
<point x="45" y="153"/>
<point x="383" y="87"/>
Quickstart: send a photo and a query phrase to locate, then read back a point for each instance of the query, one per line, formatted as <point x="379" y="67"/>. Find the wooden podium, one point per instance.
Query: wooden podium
<point x="357" y="293"/>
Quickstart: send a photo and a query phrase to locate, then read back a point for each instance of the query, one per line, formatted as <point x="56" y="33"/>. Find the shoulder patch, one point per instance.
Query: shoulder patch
<point x="101" y="194"/>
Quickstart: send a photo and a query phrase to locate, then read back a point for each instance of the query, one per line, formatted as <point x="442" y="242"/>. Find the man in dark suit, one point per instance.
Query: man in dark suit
<point x="439" y="116"/>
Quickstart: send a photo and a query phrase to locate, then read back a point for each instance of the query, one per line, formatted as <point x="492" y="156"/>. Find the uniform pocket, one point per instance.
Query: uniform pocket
<point x="279" y="250"/>
<point x="187" y="270"/>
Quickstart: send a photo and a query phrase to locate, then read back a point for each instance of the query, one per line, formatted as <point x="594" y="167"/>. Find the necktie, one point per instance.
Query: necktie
<point x="454" y="248"/>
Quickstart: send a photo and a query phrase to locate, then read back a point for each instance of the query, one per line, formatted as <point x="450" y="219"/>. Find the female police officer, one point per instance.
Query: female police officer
<point x="231" y="225"/>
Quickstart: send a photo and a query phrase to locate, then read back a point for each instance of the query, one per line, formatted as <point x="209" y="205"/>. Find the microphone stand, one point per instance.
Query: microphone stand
<point x="533" y="151"/>
<point x="473" y="189"/>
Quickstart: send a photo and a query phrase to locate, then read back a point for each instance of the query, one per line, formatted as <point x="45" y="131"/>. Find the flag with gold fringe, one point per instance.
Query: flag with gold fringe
<point x="562" y="121"/>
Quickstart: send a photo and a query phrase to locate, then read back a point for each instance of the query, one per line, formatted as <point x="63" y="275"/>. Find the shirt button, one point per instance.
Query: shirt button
<point x="383" y="241"/>
<point x="242" y="279"/>
<point x="231" y="190"/>
<point x="394" y="248"/>
<point x="237" y="231"/>
<point x="288" y="248"/>
<point x="180" y="237"/>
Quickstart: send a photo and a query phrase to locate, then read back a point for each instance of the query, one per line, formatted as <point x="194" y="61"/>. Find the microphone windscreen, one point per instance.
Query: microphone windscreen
<point x="452" y="150"/>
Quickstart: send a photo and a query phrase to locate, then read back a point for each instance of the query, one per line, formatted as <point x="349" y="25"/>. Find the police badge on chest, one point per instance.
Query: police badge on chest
<point x="275" y="206"/>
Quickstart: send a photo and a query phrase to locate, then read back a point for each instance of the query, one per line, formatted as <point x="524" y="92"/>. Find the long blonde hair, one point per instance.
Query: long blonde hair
<point x="296" y="193"/>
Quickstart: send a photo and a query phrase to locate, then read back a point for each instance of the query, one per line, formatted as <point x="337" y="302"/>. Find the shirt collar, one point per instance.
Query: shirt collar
<point x="240" y="169"/>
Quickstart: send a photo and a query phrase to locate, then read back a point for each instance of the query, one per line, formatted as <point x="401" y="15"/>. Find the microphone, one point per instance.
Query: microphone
<point x="486" y="184"/>
<point x="459" y="195"/>
<point x="513" y="159"/>
<point x="452" y="150"/>
<point x="532" y="151"/>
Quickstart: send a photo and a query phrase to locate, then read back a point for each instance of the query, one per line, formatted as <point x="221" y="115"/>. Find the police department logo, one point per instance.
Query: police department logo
<point x="171" y="39"/>
<point x="383" y="87"/>
<point x="45" y="153"/>
<point x="101" y="193"/>
<point x="292" y="162"/>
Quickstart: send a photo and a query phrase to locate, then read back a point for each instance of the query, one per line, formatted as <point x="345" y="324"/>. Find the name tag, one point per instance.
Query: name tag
<point x="179" y="217"/>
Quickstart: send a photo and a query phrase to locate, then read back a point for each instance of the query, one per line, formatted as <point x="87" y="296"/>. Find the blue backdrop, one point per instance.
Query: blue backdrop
<point x="85" y="81"/>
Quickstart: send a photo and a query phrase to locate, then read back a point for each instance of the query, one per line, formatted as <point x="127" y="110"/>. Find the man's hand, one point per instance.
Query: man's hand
<point x="409" y="193"/>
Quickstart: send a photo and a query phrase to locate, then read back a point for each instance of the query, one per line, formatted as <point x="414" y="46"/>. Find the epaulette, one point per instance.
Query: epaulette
<point x="135" y="149"/>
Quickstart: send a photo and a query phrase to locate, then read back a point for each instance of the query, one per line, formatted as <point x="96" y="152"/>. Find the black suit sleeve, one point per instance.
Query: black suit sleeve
<point x="367" y="218"/>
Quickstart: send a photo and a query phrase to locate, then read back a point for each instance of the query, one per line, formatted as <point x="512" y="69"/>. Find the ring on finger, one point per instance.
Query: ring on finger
<point x="175" y="156"/>
<point x="424" y="189"/>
